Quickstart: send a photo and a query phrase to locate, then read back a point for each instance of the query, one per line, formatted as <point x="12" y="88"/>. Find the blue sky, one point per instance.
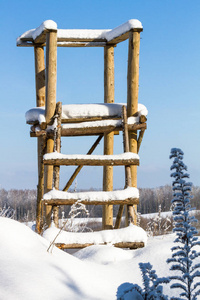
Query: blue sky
<point x="169" y="83"/>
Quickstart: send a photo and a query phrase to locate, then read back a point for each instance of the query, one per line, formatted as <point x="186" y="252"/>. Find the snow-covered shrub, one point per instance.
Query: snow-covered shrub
<point x="74" y="224"/>
<point x="152" y="290"/>
<point x="159" y="225"/>
<point x="185" y="252"/>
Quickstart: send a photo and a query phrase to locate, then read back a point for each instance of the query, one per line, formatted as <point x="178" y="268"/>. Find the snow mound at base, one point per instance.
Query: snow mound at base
<point x="29" y="272"/>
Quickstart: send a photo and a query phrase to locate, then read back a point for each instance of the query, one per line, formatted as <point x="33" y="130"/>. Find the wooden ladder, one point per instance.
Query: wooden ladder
<point x="55" y="198"/>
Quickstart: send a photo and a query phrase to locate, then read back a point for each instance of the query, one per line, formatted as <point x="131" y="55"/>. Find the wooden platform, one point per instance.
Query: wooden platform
<point x="79" y="37"/>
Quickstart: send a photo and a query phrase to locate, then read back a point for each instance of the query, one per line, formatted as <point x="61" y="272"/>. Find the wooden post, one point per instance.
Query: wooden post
<point x="107" y="220"/>
<point x="57" y="168"/>
<point x="127" y="169"/>
<point x="40" y="188"/>
<point x="48" y="180"/>
<point x="50" y="106"/>
<point x="39" y="75"/>
<point x="40" y="88"/>
<point x="40" y="101"/>
<point x="51" y="76"/>
<point x="132" y="99"/>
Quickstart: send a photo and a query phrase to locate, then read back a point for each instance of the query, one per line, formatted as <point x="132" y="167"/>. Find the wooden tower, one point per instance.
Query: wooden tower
<point x="52" y="121"/>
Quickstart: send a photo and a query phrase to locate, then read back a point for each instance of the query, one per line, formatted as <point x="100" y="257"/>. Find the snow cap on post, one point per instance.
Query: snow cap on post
<point x="131" y="24"/>
<point x="45" y="26"/>
<point x="33" y="34"/>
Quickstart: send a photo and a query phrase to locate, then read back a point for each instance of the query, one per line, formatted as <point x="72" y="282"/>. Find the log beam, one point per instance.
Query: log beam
<point x="71" y="201"/>
<point x="130" y="245"/>
<point x="87" y="131"/>
<point x="91" y="162"/>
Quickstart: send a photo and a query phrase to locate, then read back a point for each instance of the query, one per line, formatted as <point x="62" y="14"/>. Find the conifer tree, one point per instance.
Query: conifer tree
<point x="185" y="252"/>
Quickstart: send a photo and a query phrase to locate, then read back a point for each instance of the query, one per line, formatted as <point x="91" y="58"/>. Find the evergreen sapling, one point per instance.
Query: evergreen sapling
<point x="185" y="252"/>
<point x="152" y="286"/>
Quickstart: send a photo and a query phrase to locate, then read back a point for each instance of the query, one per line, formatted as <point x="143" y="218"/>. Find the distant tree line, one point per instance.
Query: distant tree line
<point x="23" y="202"/>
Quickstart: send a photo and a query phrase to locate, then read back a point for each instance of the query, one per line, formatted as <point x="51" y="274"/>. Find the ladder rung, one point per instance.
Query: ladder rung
<point x="89" y="130"/>
<point x="129" y="195"/>
<point x="59" y="159"/>
<point x="129" y="245"/>
<point x="129" y="237"/>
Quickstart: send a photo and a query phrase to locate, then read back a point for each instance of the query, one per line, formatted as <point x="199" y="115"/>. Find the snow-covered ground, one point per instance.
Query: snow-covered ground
<point x="28" y="271"/>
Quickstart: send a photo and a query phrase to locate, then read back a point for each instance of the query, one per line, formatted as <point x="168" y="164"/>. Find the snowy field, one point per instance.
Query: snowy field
<point x="29" y="272"/>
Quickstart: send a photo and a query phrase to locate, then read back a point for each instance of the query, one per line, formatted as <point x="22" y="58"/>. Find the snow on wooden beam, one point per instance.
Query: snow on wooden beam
<point x="127" y="196"/>
<point x="121" y="33"/>
<point x="128" y="237"/>
<point x="59" y="159"/>
<point x="91" y="129"/>
<point x="99" y="129"/>
<point x="82" y="112"/>
<point x="124" y="245"/>
<point x="71" y="201"/>
<point x="81" y="44"/>
<point x="85" y="37"/>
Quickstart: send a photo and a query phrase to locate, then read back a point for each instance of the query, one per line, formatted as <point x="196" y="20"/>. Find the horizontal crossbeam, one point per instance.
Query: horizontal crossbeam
<point x="128" y="201"/>
<point x="58" y="159"/>
<point x="129" y="195"/>
<point x="130" y="245"/>
<point x="78" y="131"/>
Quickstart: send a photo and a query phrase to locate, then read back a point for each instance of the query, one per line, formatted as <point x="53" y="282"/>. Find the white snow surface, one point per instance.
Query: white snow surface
<point x="131" y="233"/>
<point x="129" y="192"/>
<point x="56" y="155"/>
<point x="36" y="114"/>
<point x="46" y="25"/>
<point x="121" y="29"/>
<point x="74" y="111"/>
<point x="82" y="33"/>
<point x="34" y="33"/>
<point x="29" y="272"/>
<point x="88" y="34"/>
<point x="91" y="124"/>
<point x="77" y="111"/>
